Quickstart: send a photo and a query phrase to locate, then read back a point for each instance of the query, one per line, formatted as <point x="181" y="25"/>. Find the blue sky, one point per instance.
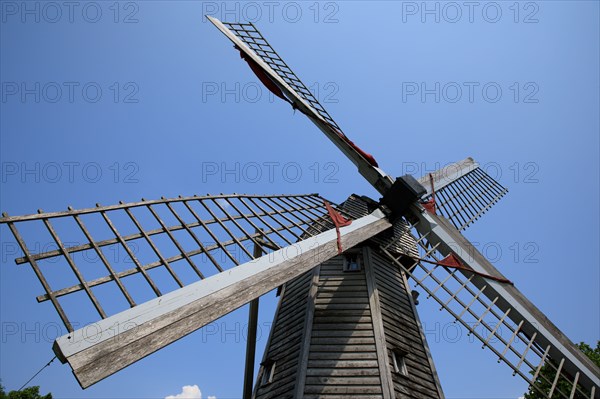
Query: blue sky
<point x="109" y="101"/>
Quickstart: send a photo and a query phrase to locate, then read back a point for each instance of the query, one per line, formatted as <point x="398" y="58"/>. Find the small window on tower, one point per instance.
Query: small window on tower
<point x="399" y="361"/>
<point x="268" y="371"/>
<point x="352" y="262"/>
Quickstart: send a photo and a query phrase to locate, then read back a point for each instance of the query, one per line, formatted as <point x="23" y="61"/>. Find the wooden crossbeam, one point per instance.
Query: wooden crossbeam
<point x="98" y="351"/>
<point x="377" y="177"/>
<point x="508" y="298"/>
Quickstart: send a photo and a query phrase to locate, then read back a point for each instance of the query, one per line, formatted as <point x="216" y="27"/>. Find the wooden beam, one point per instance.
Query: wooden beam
<point x="98" y="351"/>
<point x="440" y="231"/>
<point x="448" y="174"/>
<point x="250" y="349"/>
<point x="251" y="338"/>
<point x="385" y="373"/>
<point x="374" y="175"/>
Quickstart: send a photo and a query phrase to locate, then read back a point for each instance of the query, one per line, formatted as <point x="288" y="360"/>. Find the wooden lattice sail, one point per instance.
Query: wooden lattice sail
<point x="346" y="324"/>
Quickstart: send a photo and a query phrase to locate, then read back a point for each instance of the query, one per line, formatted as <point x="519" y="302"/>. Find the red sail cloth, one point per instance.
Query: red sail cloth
<point x="269" y="84"/>
<point x="452" y="261"/>
<point x="338" y="221"/>
<point x="262" y="76"/>
<point x="370" y="158"/>
<point x="429" y="205"/>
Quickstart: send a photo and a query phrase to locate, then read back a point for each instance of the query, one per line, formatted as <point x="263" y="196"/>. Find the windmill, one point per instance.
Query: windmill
<point x="346" y="323"/>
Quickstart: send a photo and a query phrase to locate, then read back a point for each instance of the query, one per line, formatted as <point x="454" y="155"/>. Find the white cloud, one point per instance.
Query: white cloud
<point x="189" y="392"/>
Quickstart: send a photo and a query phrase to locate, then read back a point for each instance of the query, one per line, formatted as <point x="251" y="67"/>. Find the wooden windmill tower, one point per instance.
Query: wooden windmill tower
<point x="346" y="324"/>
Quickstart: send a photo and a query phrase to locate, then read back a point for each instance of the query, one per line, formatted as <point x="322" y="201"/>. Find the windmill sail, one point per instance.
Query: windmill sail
<point x="349" y="328"/>
<point x="461" y="192"/>
<point x="273" y="71"/>
<point x="205" y="233"/>
<point x="461" y="200"/>
<point x="478" y="296"/>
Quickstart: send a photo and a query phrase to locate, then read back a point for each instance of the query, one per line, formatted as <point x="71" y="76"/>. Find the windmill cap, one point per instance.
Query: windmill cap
<point x="405" y="191"/>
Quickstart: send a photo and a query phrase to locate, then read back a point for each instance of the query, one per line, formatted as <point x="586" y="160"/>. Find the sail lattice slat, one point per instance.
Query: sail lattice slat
<point x="477" y="308"/>
<point x="255" y="40"/>
<point x="185" y="238"/>
<point x="464" y="200"/>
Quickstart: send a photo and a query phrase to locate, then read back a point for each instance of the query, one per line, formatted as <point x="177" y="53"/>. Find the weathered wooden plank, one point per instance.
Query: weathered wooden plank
<point x="330" y="396"/>
<point x="342" y="348"/>
<point x="283" y="345"/>
<point x="382" y="358"/>
<point x="282" y="389"/>
<point x="341" y="306"/>
<point x="342" y="340"/>
<point x="440" y="232"/>
<point x="342" y="326"/>
<point x="290" y="318"/>
<point x="349" y="380"/>
<point x="340" y="364"/>
<point x="342" y="333"/>
<point x="356" y="318"/>
<point x="346" y="390"/>
<point x="402" y="331"/>
<point x="298" y="283"/>
<point x="342" y="371"/>
<point x="343" y="356"/>
<point x="338" y="295"/>
<point x="307" y="331"/>
<point x="360" y="298"/>
<point x="418" y="390"/>
<point x="164" y="320"/>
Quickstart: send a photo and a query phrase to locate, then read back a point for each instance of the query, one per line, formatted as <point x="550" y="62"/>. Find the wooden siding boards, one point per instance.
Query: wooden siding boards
<point x="334" y="332"/>
<point x="285" y="342"/>
<point x="402" y="332"/>
<point x="343" y="355"/>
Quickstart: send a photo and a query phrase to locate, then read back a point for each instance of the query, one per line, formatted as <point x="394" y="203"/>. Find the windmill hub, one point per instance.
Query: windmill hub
<point x="405" y="191"/>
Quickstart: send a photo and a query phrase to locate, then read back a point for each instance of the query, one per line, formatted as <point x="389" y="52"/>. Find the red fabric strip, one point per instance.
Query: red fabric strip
<point x="262" y="76"/>
<point x="430" y="205"/>
<point x="370" y="158"/>
<point x="269" y="84"/>
<point x="339" y="221"/>
<point x="453" y="262"/>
